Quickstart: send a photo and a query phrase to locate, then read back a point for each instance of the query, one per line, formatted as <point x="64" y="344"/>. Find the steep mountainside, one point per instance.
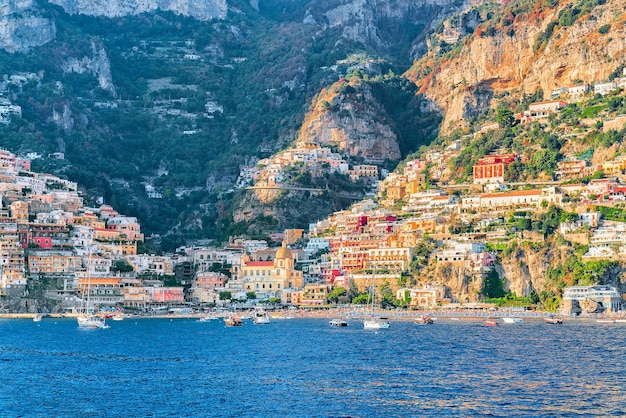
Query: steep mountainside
<point x="155" y="106"/>
<point x="201" y="10"/>
<point x="22" y="26"/>
<point x="519" y="49"/>
<point x="364" y="118"/>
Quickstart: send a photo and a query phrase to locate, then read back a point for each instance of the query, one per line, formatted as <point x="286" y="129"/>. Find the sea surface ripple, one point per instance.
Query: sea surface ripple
<point x="305" y="368"/>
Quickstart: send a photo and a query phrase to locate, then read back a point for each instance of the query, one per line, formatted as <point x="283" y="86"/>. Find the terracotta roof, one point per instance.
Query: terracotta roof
<point x="260" y="264"/>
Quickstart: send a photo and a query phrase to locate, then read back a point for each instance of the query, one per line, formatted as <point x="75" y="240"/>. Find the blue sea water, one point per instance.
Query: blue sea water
<point x="305" y="368"/>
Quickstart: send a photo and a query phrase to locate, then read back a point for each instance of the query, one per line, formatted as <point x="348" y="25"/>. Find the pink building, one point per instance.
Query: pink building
<point x="167" y="294"/>
<point x="209" y="280"/>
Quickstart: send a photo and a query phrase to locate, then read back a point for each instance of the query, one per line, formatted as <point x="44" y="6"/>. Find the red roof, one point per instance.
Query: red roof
<point x="260" y="264"/>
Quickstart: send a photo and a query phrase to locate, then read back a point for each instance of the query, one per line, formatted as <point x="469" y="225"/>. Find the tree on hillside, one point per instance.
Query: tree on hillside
<point x="493" y="287"/>
<point x="505" y="117"/>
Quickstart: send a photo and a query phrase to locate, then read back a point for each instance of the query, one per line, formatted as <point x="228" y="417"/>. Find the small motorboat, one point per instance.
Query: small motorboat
<point x="261" y="318"/>
<point x="424" y="319"/>
<point x="338" y="323"/>
<point x="233" y="321"/>
<point x="512" y="320"/>
<point x="553" y="320"/>
<point x="209" y="317"/>
<point x="490" y="323"/>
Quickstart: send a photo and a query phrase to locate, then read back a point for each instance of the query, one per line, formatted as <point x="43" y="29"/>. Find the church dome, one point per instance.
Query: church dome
<point x="284" y="253"/>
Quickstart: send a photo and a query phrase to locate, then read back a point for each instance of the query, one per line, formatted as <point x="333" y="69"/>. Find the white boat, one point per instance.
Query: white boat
<point x="376" y="323"/>
<point x="261" y="318"/>
<point x="373" y="322"/>
<point x="338" y="323"/>
<point x="86" y="319"/>
<point x="118" y="317"/>
<point x="209" y="317"/>
<point x="37" y="318"/>
<point x="512" y="320"/>
<point x="89" y="321"/>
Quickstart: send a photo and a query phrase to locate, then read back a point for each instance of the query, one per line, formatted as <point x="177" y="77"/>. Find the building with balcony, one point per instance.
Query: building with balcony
<point x="490" y="169"/>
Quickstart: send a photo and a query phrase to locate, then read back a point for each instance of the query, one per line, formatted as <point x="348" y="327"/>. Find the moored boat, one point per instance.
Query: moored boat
<point x="37" y="318"/>
<point x="233" y="321"/>
<point x="553" y="320"/>
<point x="261" y="318"/>
<point x="376" y="323"/>
<point x="490" y="323"/>
<point x="87" y="321"/>
<point x="209" y="317"/>
<point x="512" y="320"/>
<point x="338" y="323"/>
<point x="424" y="319"/>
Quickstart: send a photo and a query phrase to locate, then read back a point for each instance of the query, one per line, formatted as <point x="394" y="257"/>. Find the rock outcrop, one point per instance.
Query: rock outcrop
<point x="523" y="270"/>
<point x="98" y="65"/>
<point x="360" y="20"/>
<point x="199" y="9"/>
<point x="22" y="28"/>
<point x="346" y="116"/>
<point x="516" y="61"/>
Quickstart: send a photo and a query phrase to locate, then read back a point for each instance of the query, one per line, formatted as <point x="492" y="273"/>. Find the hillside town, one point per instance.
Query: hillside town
<point x="412" y="226"/>
<point x="48" y="235"/>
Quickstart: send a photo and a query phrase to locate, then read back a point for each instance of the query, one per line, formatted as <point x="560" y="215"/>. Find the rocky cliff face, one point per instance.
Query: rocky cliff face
<point x="360" y="20"/>
<point x="522" y="271"/>
<point x="199" y="9"/>
<point x="22" y="28"/>
<point x="346" y="116"/>
<point x="512" y="59"/>
<point x="98" y="65"/>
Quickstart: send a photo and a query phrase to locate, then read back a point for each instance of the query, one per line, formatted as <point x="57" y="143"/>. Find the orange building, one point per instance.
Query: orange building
<point x="396" y="192"/>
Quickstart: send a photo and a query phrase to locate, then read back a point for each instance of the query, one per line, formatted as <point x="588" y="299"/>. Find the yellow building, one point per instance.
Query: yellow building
<point x="12" y="255"/>
<point x="134" y="294"/>
<point x="389" y="259"/>
<point x="270" y="278"/>
<point x="120" y="248"/>
<point x="53" y="263"/>
<point x="416" y="184"/>
<point x="311" y="295"/>
<point x="105" y="234"/>
<point x="19" y="211"/>
<point x="89" y="219"/>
